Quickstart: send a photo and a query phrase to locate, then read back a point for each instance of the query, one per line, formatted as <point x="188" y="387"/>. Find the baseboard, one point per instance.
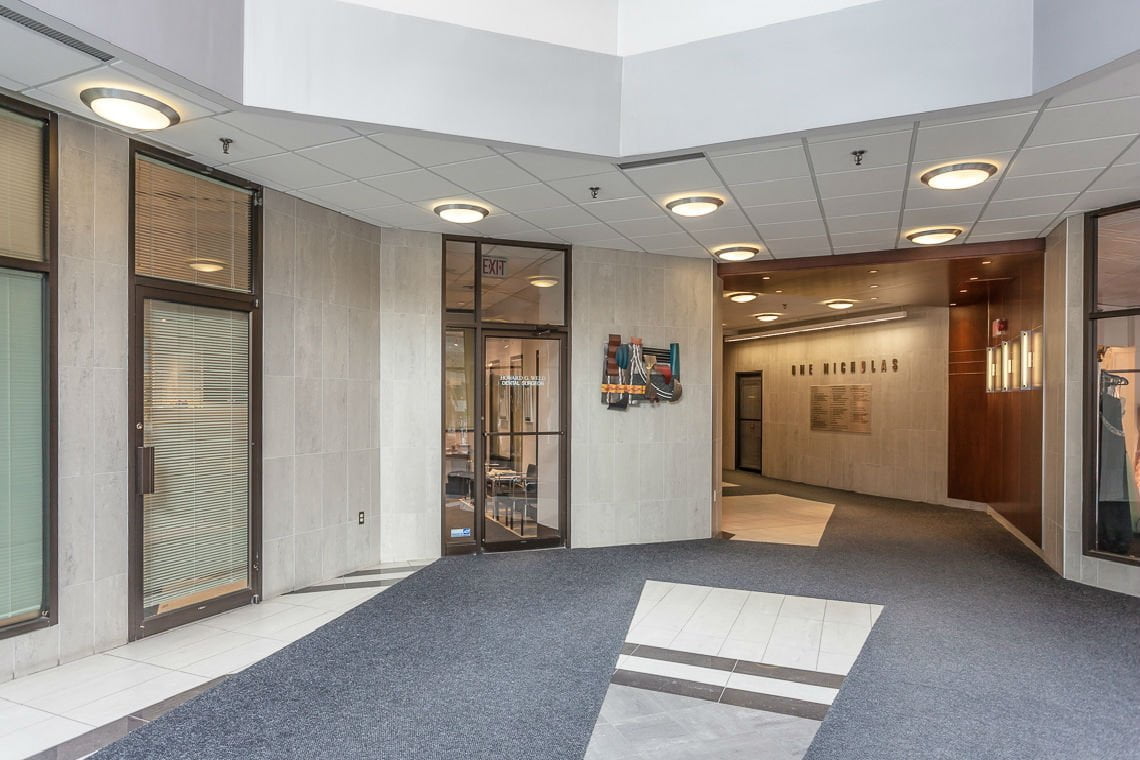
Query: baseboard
<point x="1017" y="533"/>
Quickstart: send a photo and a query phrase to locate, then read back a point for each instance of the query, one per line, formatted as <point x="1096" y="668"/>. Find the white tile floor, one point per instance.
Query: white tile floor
<point x="775" y="518"/>
<point x="50" y="707"/>
<point x="776" y="629"/>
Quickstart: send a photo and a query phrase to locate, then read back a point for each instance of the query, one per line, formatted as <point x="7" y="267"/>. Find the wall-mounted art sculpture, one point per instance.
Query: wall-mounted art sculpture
<point x="633" y="374"/>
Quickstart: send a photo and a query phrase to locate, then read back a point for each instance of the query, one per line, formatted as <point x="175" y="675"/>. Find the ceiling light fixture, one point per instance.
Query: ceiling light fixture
<point x="874" y="286"/>
<point x="849" y="322"/>
<point x="872" y="271"/>
<point x="766" y="277"/>
<point x="987" y="261"/>
<point x="128" y="108"/>
<point x="769" y="317"/>
<point x="461" y="213"/>
<point x="742" y="297"/>
<point x="206" y="266"/>
<point x="543" y="280"/>
<point x="959" y="176"/>
<point x="736" y="252"/>
<point x="934" y="236"/>
<point x="695" y="205"/>
<point x="839" y="304"/>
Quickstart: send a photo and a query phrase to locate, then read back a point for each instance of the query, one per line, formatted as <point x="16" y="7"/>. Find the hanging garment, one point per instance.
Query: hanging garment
<point x="1114" y="513"/>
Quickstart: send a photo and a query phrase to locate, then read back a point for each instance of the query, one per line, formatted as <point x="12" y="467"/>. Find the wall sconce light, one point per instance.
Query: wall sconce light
<point x="1006" y="365"/>
<point x="991" y="369"/>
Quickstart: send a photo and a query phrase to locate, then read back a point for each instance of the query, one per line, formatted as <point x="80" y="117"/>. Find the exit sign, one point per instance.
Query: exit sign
<point x="494" y="267"/>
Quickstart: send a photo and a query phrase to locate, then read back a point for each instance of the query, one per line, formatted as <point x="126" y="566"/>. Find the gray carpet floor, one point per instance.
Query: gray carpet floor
<point x="981" y="652"/>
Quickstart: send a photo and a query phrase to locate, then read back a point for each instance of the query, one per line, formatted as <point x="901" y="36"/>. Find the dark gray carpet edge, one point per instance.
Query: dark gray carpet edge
<point x="982" y="652"/>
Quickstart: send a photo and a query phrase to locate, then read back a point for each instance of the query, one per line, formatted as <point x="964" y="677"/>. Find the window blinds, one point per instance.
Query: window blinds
<point x="191" y="228"/>
<point x="23" y="223"/>
<point x="196" y="412"/>
<point x="22" y="407"/>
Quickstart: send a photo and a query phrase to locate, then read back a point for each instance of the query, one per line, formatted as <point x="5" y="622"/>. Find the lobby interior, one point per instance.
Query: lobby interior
<point x="713" y="384"/>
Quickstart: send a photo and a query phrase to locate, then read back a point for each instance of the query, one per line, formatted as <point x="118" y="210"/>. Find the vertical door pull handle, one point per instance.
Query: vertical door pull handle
<point x="145" y="468"/>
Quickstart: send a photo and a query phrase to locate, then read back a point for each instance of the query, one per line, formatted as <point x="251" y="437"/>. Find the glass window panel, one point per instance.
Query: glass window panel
<point x="523" y="285"/>
<point x="23" y="223"/>
<point x="1118" y="261"/>
<point x="22" y="414"/>
<point x="459" y="437"/>
<point x="459" y="276"/>
<point x="191" y="228"/>
<point x="196" y="391"/>
<point x="1118" y="436"/>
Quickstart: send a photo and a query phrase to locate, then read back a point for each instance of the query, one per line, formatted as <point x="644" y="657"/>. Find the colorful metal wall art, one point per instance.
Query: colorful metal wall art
<point x="633" y="374"/>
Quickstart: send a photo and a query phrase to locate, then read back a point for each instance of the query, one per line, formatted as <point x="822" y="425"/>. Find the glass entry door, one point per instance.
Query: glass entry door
<point x="749" y="421"/>
<point x="523" y="488"/>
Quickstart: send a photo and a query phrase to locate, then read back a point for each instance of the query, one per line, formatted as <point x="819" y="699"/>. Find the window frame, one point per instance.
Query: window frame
<point x="48" y="268"/>
<point x="1091" y="415"/>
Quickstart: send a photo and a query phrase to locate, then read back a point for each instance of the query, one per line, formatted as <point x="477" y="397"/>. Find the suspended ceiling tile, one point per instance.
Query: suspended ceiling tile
<point x="621" y="244"/>
<point x="942" y="216"/>
<point x="725" y="216"/>
<point x="415" y="185"/>
<point x="867" y="203"/>
<point x="408" y="216"/>
<point x="653" y="226"/>
<point x="726" y="236"/>
<point x="679" y="178"/>
<point x="202" y="137"/>
<point x="351" y="195"/>
<point x="884" y="238"/>
<point x="64" y="93"/>
<point x="525" y="198"/>
<point x="661" y="242"/>
<point x="883" y="150"/>
<point x="1119" y="176"/>
<point x="773" y="192"/>
<point x="32" y="59"/>
<point x="863" y="180"/>
<point x="291" y="171"/>
<point x="212" y="104"/>
<point x="921" y="196"/>
<point x="762" y="166"/>
<point x="1029" y="225"/>
<point x="688" y="251"/>
<point x="490" y="173"/>
<point x="1028" y="207"/>
<point x="431" y="151"/>
<point x="941" y="143"/>
<point x="560" y="216"/>
<point x="1035" y="185"/>
<point x="358" y="158"/>
<point x="863" y="222"/>
<point x="776" y="231"/>
<point x="585" y="233"/>
<point x="795" y="247"/>
<point x="611" y="186"/>
<point x="1068" y="156"/>
<point x="291" y="132"/>
<point x="504" y="225"/>
<point x="622" y="209"/>
<point x="784" y="212"/>
<point x="1097" y="198"/>
<point x="996" y="237"/>
<point x="1088" y="121"/>
<point x="546" y="166"/>
<point x="533" y="235"/>
<point x="1123" y="82"/>
<point x="12" y="84"/>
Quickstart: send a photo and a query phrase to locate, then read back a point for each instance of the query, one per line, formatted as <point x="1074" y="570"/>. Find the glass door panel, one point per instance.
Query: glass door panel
<point x="522" y="411"/>
<point x="196" y="454"/>
<point x="749" y="422"/>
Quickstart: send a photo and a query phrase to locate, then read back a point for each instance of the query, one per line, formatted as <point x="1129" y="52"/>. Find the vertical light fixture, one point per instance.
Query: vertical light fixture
<point x="991" y="369"/>
<point x="1006" y="370"/>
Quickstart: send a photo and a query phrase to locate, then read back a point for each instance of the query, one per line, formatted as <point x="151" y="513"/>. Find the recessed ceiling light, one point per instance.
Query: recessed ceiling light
<point x="207" y="266"/>
<point x="874" y="298"/>
<point x="963" y="291"/>
<point x="872" y="271"/>
<point x="987" y="261"/>
<point x="543" y="280"/>
<point x="128" y="108"/>
<point x="736" y="252"/>
<point x="959" y="176"/>
<point x="766" y="277"/>
<point x="973" y="278"/>
<point x="695" y="205"/>
<point x="461" y="213"/>
<point x="779" y="291"/>
<point x="874" y="286"/>
<point x="769" y="317"/>
<point x="742" y="297"/>
<point x="953" y="304"/>
<point x="934" y="236"/>
<point x="839" y="303"/>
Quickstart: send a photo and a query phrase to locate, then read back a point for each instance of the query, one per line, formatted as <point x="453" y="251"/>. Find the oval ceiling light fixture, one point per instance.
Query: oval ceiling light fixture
<point x="461" y="213"/>
<point x="736" y="252"/>
<point x="959" y="176"/>
<point x="206" y="266"/>
<point x="543" y="280"/>
<point x="695" y="205"/>
<point x="839" y="304"/>
<point x="742" y="297"/>
<point x="934" y="236"/>
<point x="769" y="317"/>
<point x="128" y="108"/>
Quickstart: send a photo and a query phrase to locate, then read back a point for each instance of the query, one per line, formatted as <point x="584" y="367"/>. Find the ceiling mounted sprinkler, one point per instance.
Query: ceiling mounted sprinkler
<point x="858" y="155"/>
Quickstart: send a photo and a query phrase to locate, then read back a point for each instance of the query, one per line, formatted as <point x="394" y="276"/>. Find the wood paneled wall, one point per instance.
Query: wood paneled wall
<point x="995" y="438"/>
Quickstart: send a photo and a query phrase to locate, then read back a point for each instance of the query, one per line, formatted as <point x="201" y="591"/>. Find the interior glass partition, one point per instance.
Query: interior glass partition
<point x="504" y="405"/>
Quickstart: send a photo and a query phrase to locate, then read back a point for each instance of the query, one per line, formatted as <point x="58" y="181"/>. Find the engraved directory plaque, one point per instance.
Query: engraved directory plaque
<point x="841" y="408"/>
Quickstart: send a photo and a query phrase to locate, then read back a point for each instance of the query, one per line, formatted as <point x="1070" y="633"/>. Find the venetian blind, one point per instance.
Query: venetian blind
<point x="196" y="412"/>
<point x="21" y="445"/>
<point x="191" y="228"/>
<point x="23" y="223"/>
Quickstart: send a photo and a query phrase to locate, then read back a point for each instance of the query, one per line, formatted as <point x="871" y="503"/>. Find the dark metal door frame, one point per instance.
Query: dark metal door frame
<point x="738" y="419"/>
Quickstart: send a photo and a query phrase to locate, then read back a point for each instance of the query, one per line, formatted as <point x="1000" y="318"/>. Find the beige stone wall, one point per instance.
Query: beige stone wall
<point x="905" y="454"/>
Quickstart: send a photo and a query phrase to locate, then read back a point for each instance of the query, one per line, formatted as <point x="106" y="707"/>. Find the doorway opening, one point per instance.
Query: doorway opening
<point x="750" y="421"/>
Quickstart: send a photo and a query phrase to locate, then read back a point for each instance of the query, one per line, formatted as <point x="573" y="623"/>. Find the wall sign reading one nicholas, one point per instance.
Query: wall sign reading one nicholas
<point x="862" y="367"/>
<point x="841" y="408"/>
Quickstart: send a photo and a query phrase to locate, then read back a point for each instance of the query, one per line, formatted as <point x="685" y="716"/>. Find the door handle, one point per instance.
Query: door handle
<point x="144" y="466"/>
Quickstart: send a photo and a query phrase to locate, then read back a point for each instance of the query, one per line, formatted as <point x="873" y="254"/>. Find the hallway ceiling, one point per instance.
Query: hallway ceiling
<point x="796" y="196"/>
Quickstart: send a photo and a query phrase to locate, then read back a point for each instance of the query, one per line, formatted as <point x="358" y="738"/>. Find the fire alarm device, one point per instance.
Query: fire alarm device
<point x="1000" y="326"/>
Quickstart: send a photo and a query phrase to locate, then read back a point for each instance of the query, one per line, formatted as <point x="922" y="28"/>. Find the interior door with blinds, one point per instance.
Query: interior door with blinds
<point x="195" y="395"/>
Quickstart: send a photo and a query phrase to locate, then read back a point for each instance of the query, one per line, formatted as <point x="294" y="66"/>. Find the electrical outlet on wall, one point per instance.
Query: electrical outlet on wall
<point x="360" y="519"/>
